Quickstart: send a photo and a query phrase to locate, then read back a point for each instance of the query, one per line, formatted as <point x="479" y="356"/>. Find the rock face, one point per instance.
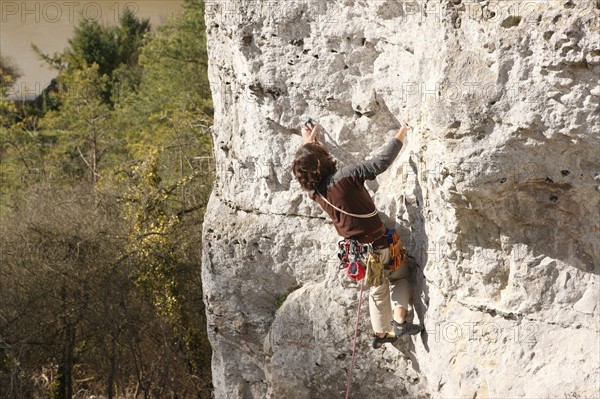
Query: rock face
<point x="496" y="195"/>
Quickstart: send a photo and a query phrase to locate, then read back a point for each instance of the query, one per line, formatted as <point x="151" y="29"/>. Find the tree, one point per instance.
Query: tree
<point x="100" y="289"/>
<point x="84" y="119"/>
<point x="169" y="119"/>
<point x="112" y="49"/>
<point x="9" y="73"/>
<point x="58" y="253"/>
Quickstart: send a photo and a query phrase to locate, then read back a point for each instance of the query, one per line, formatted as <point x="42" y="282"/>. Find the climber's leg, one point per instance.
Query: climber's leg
<point x="380" y="308"/>
<point x="400" y="314"/>
<point x="400" y="293"/>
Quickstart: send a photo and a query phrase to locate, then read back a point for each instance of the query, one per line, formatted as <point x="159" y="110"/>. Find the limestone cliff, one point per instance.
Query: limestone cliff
<point x="496" y="195"/>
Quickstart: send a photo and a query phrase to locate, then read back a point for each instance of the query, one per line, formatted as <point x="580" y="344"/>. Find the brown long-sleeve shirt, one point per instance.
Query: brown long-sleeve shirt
<point x="345" y="189"/>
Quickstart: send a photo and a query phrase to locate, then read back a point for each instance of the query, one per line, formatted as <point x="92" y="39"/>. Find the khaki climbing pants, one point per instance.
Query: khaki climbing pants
<point x="394" y="292"/>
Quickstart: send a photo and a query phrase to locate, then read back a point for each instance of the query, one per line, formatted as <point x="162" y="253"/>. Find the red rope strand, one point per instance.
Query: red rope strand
<point x="354" y="345"/>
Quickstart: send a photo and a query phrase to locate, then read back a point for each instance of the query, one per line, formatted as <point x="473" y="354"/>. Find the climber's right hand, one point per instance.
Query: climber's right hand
<point x="401" y="134"/>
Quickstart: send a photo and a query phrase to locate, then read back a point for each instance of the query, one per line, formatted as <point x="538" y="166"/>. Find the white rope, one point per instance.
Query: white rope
<point x="370" y="215"/>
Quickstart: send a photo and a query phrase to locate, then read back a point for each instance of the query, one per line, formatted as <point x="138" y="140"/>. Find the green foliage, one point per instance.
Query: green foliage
<point x="280" y="300"/>
<point x="130" y="37"/>
<point x="114" y="50"/>
<point x="102" y="195"/>
<point x="173" y="100"/>
<point x="84" y="122"/>
<point x="9" y="73"/>
<point x="162" y="239"/>
<point x="93" y="44"/>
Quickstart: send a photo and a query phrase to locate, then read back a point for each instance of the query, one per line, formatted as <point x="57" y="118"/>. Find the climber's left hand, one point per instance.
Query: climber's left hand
<point x="310" y="135"/>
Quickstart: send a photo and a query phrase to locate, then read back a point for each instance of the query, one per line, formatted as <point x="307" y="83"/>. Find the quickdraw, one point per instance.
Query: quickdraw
<point x="352" y="255"/>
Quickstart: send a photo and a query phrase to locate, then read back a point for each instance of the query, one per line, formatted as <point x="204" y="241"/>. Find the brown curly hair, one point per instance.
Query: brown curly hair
<point x="312" y="163"/>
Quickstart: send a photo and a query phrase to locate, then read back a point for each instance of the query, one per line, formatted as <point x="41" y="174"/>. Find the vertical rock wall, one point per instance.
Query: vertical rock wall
<point x="496" y="195"/>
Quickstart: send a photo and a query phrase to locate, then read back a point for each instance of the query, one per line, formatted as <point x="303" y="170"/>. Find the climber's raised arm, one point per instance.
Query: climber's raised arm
<point x="401" y="134"/>
<point x="368" y="170"/>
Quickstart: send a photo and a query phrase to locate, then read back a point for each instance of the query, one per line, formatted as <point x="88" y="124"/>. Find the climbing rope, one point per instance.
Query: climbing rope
<point x="354" y="345"/>
<point x="365" y="216"/>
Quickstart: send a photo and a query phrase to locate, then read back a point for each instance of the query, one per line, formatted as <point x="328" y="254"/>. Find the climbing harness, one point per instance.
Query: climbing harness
<point x="398" y="254"/>
<point x="349" y="381"/>
<point x="360" y="260"/>
<point x="352" y="255"/>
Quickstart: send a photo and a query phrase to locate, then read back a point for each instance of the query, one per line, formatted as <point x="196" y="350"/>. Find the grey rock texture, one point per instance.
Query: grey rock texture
<point x="496" y="195"/>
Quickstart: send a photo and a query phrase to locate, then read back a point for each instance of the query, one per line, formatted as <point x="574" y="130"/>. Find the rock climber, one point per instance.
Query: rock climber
<point x="342" y="194"/>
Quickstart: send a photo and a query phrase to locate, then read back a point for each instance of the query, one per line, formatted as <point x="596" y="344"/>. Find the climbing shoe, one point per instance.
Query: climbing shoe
<point x="406" y="328"/>
<point x="379" y="341"/>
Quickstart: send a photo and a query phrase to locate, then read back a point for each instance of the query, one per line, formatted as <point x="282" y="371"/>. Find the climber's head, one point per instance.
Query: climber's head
<point x="312" y="164"/>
